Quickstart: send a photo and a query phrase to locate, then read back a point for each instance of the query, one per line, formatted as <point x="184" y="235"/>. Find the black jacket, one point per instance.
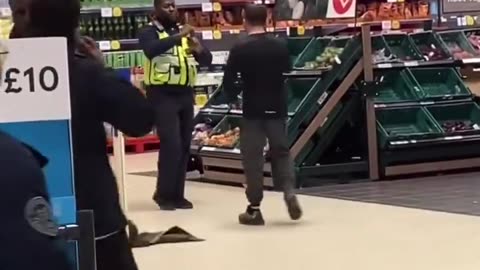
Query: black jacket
<point x="98" y="96"/>
<point x="25" y="247"/>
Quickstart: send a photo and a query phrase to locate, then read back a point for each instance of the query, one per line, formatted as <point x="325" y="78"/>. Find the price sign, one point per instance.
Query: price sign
<point x="117" y="12"/>
<point x="106" y="12"/>
<point x="5" y="12"/>
<point x="28" y="84"/>
<point x="300" y="30"/>
<point x="207" y="35"/>
<point x="217" y="34"/>
<point x="115" y="45"/>
<point x="207" y="7"/>
<point x="217" y="7"/>
<point x="104" y="45"/>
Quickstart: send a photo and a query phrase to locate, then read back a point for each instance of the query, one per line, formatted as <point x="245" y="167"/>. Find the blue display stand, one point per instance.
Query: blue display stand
<point x="35" y="108"/>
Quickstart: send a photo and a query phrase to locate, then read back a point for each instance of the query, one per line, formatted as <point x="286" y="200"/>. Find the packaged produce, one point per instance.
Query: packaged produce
<point x="455" y="126"/>
<point x="474" y="39"/>
<point x="325" y="60"/>
<point x="200" y="133"/>
<point x="457" y="52"/>
<point x="380" y="56"/>
<point x="224" y="140"/>
<point x="431" y="52"/>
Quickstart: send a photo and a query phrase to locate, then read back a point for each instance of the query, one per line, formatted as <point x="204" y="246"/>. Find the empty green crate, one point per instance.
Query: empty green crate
<point x="440" y="83"/>
<point x="467" y="113"/>
<point x="428" y="39"/>
<point x="405" y="124"/>
<point x="296" y="45"/>
<point x="298" y="90"/>
<point x="402" y="47"/>
<point x="310" y="53"/>
<point x="458" y="38"/>
<point x="396" y="87"/>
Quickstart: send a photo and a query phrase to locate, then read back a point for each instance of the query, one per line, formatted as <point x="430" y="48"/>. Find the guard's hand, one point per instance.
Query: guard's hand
<point x="187" y="30"/>
<point x="88" y="46"/>
<point x="195" y="45"/>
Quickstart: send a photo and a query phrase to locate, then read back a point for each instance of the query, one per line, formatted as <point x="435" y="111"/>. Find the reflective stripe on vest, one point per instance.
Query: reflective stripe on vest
<point x="174" y="67"/>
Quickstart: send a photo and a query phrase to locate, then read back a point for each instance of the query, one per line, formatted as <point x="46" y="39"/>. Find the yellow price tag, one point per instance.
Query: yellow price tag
<point x="117" y="12"/>
<point x="115" y="45"/>
<point x="470" y="20"/>
<point x="395" y="25"/>
<point x="201" y="100"/>
<point x="300" y="30"/>
<point x="400" y="1"/>
<point x="217" y="34"/>
<point x="217" y="7"/>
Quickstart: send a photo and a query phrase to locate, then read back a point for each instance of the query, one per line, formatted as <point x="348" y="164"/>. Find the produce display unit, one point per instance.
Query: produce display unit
<point x="309" y="92"/>
<point x="426" y="117"/>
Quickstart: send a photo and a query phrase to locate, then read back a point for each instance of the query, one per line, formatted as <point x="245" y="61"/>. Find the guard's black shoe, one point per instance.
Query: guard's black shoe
<point x="294" y="209"/>
<point x="252" y="217"/>
<point x="163" y="204"/>
<point x="183" y="204"/>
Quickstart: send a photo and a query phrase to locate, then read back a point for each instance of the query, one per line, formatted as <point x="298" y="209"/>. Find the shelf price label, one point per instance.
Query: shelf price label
<point x="115" y="45"/>
<point x="104" y="45"/>
<point x="300" y="30"/>
<point x="217" y="7"/>
<point x="106" y="12"/>
<point x="207" y="35"/>
<point x="5" y="12"/>
<point x="217" y="34"/>
<point x="207" y="7"/>
<point x="386" y="25"/>
<point x="117" y="12"/>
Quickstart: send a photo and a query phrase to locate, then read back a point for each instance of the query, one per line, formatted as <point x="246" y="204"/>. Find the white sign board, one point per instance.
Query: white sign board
<point x="341" y="9"/>
<point x="34" y="81"/>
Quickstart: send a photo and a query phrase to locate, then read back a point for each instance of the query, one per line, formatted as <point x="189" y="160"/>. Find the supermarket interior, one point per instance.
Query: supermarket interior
<point x="383" y="126"/>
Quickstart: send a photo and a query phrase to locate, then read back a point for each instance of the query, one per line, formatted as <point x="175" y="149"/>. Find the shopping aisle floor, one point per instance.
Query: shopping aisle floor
<point x="335" y="234"/>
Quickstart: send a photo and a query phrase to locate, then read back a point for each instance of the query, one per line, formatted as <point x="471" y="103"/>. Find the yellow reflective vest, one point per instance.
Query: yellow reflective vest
<point x="174" y="67"/>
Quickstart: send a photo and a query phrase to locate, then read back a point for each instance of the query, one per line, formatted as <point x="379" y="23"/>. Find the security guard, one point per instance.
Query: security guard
<point x="28" y="230"/>
<point x="173" y="55"/>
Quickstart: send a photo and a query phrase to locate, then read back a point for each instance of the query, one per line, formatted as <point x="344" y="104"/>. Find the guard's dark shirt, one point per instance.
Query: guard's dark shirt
<point x="260" y="60"/>
<point x="22" y="180"/>
<point x="98" y="96"/>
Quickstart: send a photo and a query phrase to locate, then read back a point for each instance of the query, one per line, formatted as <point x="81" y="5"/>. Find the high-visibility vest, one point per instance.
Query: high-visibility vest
<point x="174" y="67"/>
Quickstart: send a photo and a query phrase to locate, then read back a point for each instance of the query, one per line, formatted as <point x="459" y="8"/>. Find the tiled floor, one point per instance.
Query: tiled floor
<point x="451" y="193"/>
<point x="334" y="235"/>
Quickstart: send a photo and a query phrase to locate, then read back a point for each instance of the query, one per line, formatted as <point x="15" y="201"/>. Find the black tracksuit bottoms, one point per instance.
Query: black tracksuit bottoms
<point x="173" y="107"/>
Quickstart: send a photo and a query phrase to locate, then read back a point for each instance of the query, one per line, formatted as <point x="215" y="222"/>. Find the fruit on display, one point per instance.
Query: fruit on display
<point x="325" y="60"/>
<point x="457" y="51"/>
<point x="432" y="52"/>
<point x="379" y="56"/>
<point x="455" y="126"/>
<point x="224" y="140"/>
<point x="377" y="11"/>
<point x="474" y="39"/>
<point x="200" y="133"/>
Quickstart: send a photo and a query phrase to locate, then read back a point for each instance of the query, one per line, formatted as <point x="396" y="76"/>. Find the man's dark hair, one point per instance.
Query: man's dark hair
<point x="54" y="18"/>
<point x="255" y="15"/>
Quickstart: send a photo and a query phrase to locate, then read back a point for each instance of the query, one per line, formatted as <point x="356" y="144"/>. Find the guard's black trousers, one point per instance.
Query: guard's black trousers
<point x="174" y="124"/>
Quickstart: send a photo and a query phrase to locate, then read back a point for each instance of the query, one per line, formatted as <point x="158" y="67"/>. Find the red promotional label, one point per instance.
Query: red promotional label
<point x="342" y="6"/>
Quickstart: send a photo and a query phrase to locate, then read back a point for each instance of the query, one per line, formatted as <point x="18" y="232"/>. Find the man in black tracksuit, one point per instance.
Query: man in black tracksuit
<point x="173" y="55"/>
<point x="97" y="96"/>
<point x="261" y="60"/>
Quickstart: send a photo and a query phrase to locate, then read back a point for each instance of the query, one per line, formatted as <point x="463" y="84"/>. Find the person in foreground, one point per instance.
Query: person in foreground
<point x="172" y="58"/>
<point x="28" y="230"/>
<point x="260" y="62"/>
<point x="97" y="96"/>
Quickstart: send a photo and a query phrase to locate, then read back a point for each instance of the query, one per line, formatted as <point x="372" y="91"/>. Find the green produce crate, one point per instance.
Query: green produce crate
<point x="405" y="124"/>
<point x="211" y="120"/>
<point x="298" y="90"/>
<point x="440" y="84"/>
<point x="451" y="113"/>
<point x="397" y="87"/>
<point x="457" y="38"/>
<point x="379" y="44"/>
<point x="217" y="102"/>
<point x="402" y="47"/>
<point x="430" y="37"/>
<point x="310" y="53"/>
<point x="296" y="45"/>
<point x="226" y="124"/>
